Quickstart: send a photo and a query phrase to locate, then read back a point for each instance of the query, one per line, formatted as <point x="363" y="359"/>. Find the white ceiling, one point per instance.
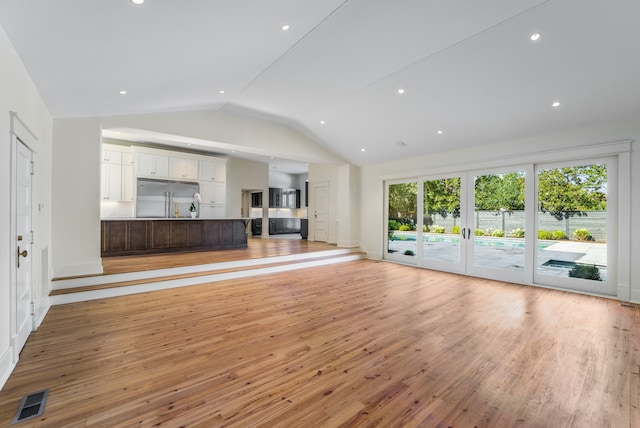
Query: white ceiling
<point x="467" y="67"/>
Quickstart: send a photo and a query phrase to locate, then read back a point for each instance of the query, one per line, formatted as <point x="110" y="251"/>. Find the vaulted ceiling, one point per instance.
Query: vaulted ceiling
<point x="396" y="78"/>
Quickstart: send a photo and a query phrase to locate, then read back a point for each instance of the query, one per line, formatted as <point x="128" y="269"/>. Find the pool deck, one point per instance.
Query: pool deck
<point x="508" y="253"/>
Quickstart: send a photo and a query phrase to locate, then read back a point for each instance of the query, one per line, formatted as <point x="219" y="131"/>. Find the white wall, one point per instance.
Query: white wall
<point x="18" y="94"/>
<point x="372" y="178"/>
<point x="236" y="132"/>
<point x="76" y="197"/>
<point x="282" y="180"/>
<point x="247" y="175"/>
<point x="348" y="206"/>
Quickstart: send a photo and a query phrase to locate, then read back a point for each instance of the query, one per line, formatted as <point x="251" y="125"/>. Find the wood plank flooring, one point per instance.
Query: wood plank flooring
<point x="256" y="248"/>
<point x="356" y="344"/>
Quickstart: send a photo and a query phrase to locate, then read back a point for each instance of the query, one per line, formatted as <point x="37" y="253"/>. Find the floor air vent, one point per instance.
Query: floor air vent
<point x="31" y="406"/>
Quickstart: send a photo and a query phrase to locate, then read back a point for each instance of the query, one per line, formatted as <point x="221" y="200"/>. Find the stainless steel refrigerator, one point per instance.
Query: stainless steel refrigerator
<point x="163" y="198"/>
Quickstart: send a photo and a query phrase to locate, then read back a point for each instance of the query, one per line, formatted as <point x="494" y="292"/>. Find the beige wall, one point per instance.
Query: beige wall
<point x="76" y="197"/>
<point x="244" y="174"/>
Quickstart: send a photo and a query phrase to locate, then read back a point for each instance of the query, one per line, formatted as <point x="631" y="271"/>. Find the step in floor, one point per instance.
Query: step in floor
<point x="78" y="289"/>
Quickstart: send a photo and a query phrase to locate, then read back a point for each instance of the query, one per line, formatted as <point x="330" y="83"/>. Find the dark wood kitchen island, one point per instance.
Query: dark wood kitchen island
<point x="126" y="237"/>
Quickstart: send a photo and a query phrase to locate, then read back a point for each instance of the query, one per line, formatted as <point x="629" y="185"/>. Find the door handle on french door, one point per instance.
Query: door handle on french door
<point x="464" y="233"/>
<point x="468" y="233"/>
<point x="23" y="254"/>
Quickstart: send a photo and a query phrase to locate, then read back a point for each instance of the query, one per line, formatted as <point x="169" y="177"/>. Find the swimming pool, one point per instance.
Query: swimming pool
<point x="491" y="241"/>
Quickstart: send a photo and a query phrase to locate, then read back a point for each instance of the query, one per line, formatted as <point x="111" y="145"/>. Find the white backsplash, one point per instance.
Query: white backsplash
<point x="280" y="213"/>
<point x="110" y="209"/>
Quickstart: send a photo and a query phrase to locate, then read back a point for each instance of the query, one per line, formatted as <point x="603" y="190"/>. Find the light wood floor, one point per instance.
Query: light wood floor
<point x="256" y="248"/>
<point x="353" y="344"/>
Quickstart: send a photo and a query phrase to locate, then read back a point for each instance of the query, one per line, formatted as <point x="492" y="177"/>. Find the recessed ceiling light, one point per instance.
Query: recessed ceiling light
<point x="285" y="27"/>
<point x="401" y="91"/>
<point x="137" y="1"/>
<point x="534" y="36"/>
<point x="555" y="104"/>
<point x="123" y="92"/>
<point x="362" y="150"/>
<point x="322" y="122"/>
<point x="440" y="131"/>
<point x="221" y="91"/>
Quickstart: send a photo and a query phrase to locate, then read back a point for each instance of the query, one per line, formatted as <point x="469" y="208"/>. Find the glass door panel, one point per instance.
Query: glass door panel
<point x="498" y="226"/>
<point x="442" y="246"/>
<point x="402" y="201"/>
<point x="572" y="224"/>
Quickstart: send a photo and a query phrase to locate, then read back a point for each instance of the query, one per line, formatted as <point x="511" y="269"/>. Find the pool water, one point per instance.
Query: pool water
<point x="478" y="240"/>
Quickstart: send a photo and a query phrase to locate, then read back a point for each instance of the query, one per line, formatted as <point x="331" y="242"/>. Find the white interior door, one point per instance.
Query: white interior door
<point x="23" y="284"/>
<point x="321" y="212"/>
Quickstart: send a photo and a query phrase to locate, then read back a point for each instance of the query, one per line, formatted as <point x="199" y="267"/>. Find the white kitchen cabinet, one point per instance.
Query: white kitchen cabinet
<point x="183" y="169"/>
<point x="211" y="211"/>
<point x="127" y="158"/>
<point x="128" y="181"/>
<point x="213" y="171"/>
<point x="213" y="192"/>
<point x="112" y="156"/>
<point x="152" y="165"/>
<point x="111" y="182"/>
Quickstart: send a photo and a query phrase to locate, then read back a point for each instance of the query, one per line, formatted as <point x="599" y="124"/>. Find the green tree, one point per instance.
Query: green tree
<point x="442" y="197"/>
<point x="403" y="200"/>
<point x="500" y="192"/>
<point x="567" y="192"/>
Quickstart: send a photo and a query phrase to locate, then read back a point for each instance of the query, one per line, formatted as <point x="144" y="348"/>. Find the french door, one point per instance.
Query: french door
<point x="516" y="223"/>
<point x="576" y="224"/>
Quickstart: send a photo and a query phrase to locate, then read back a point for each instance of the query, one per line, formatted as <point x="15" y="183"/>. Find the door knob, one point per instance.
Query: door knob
<point x="23" y="254"/>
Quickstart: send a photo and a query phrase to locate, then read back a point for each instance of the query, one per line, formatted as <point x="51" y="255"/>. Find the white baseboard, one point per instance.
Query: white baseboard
<point x="635" y="296"/>
<point x="624" y="292"/>
<point x="348" y="244"/>
<point x="41" y="311"/>
<point x="62" y="271"/>
<point x="6" y="366"/>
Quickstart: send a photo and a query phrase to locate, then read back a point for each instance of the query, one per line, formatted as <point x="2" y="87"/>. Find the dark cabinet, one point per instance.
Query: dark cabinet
<point x="279" y="226"/>
<point x="129" y="237"/>
<point x="275" y="197"/>
<point x="256" y="227"/>
<point x="284" y="198"/>
<point x="256" y="200"/>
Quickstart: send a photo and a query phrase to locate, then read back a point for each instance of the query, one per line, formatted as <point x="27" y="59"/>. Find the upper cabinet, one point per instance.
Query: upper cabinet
<point x="213" y="170"/>
<point x="183" y="169"/>
<point x="116" y="173"/>
<point x="284" y="198"/>
<point x="127" y="158"/>
<point x="213" y="193"/>
<point x="113" y="156"/>
<point x="152" y="165"/>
